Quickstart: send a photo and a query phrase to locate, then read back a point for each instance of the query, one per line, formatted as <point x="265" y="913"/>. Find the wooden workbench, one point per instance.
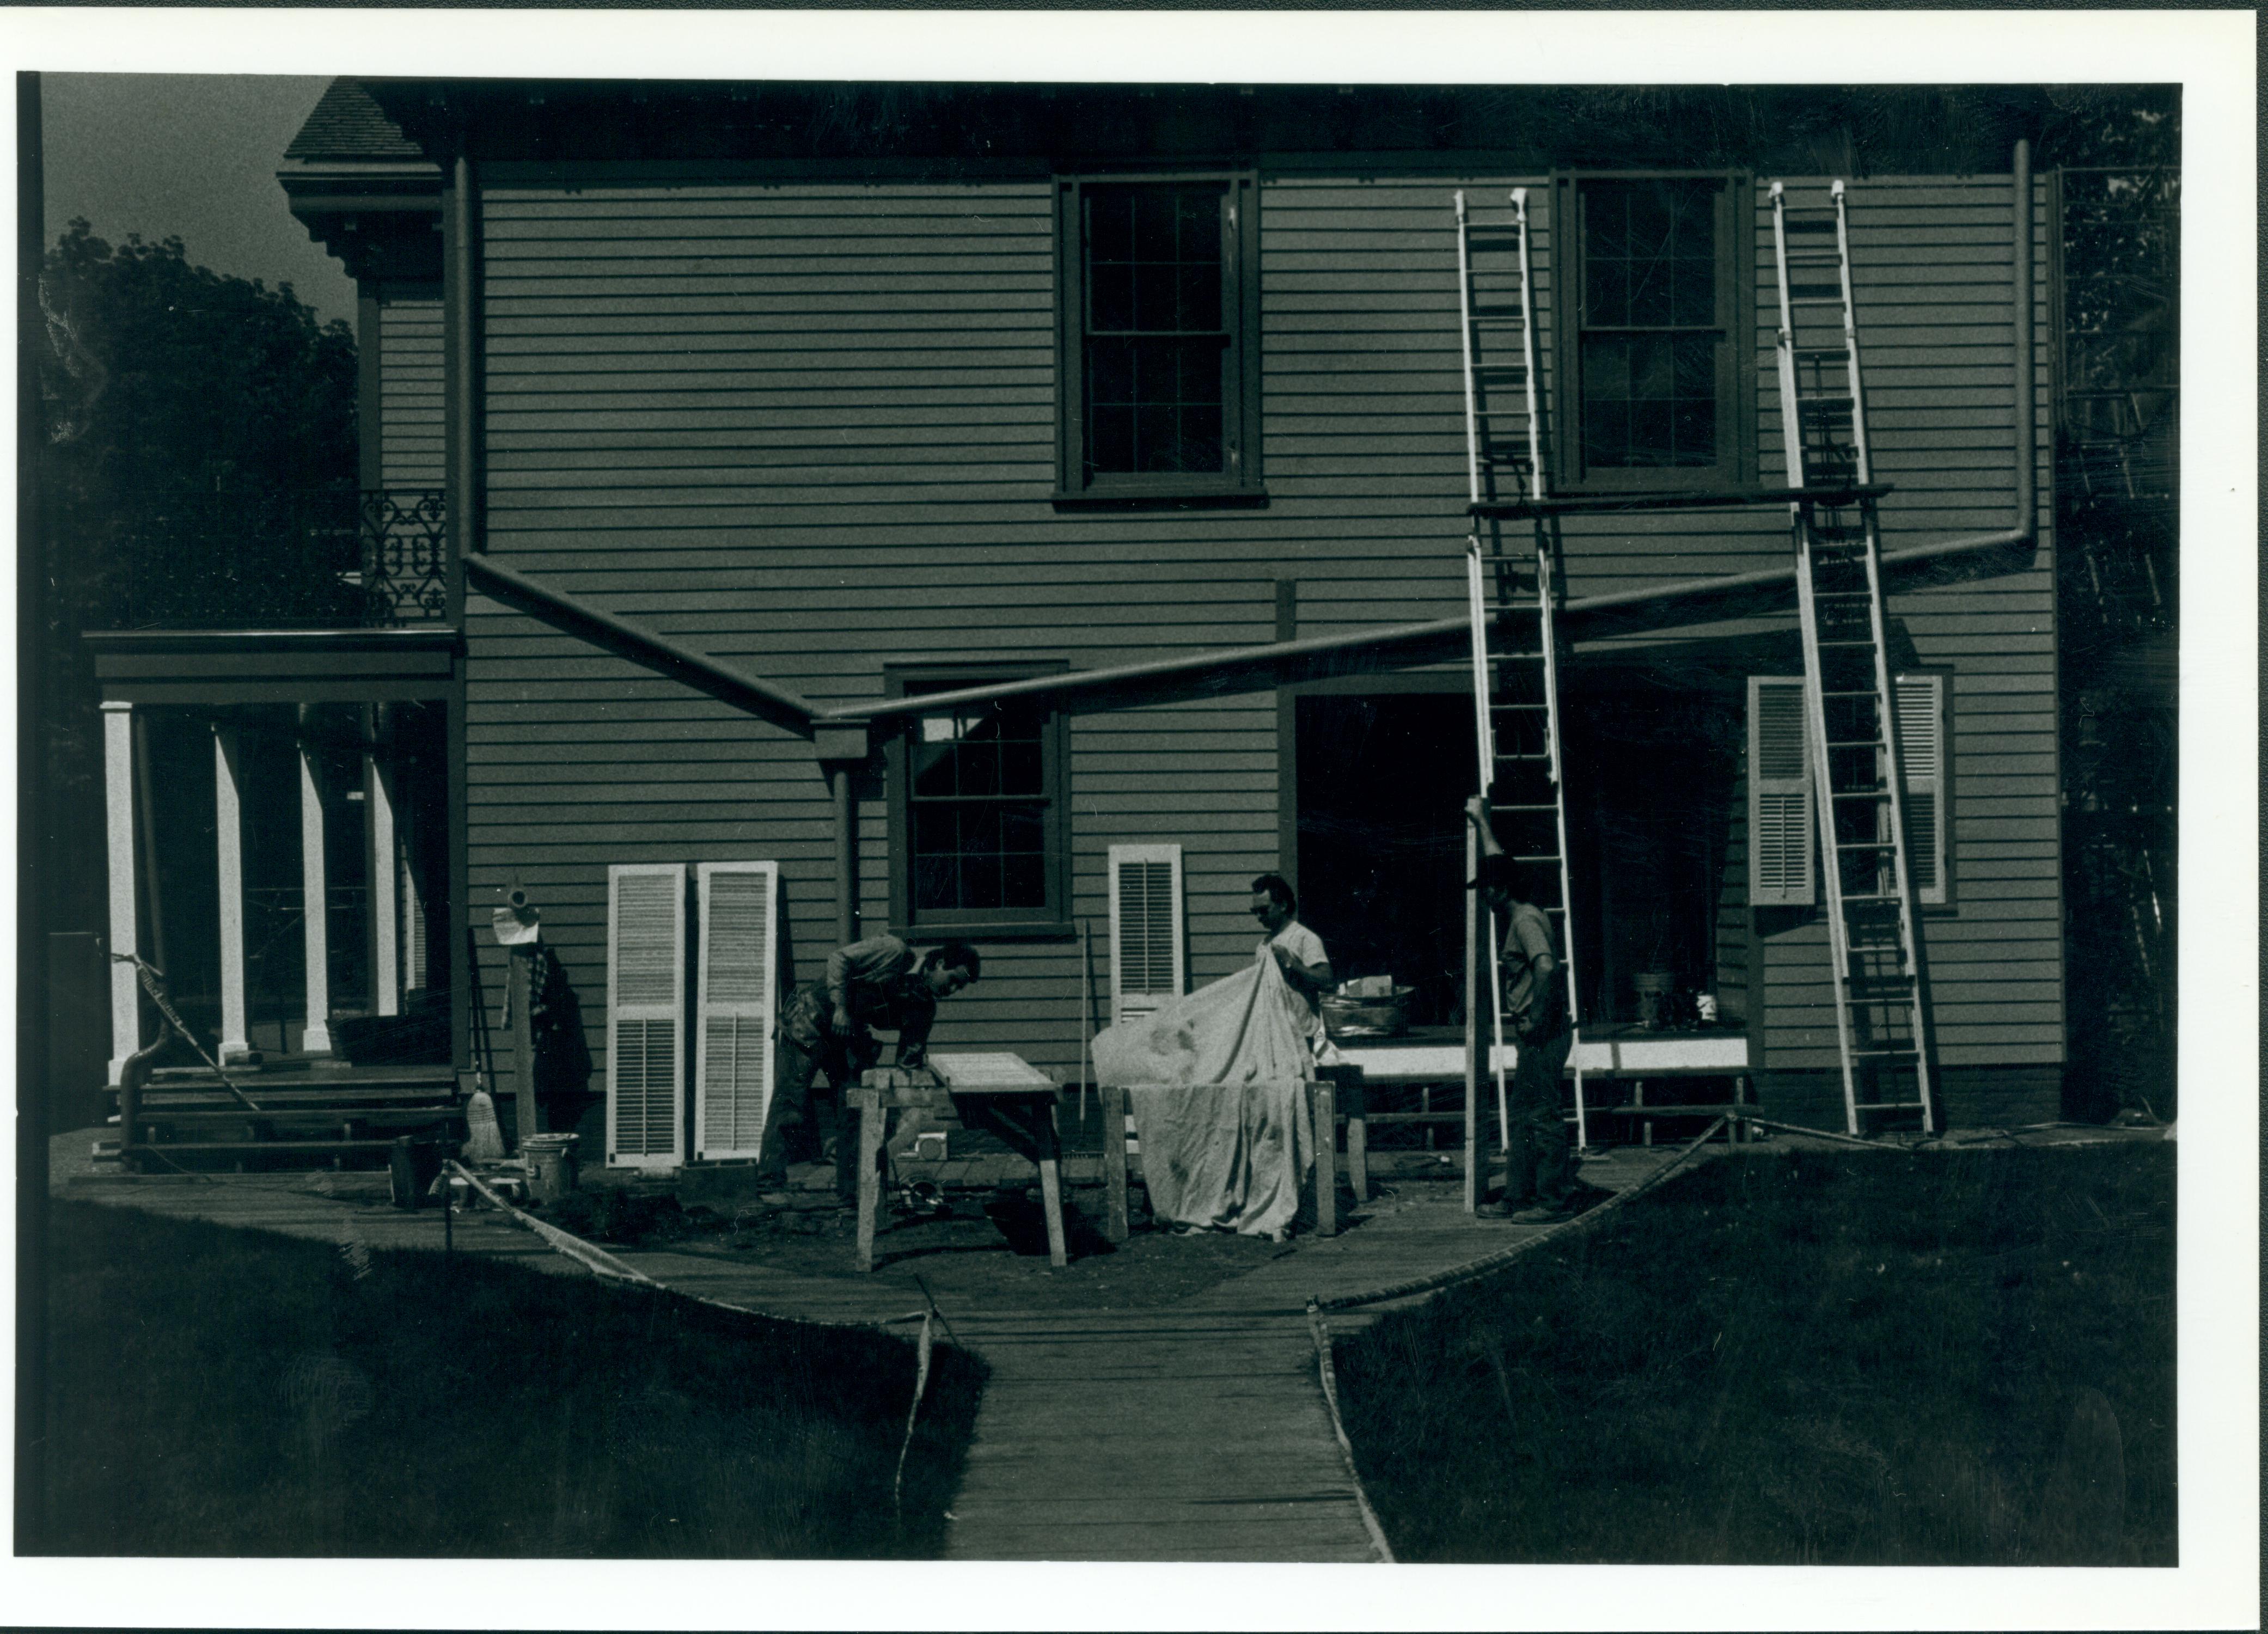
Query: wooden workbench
<point x="999" y="1092"/>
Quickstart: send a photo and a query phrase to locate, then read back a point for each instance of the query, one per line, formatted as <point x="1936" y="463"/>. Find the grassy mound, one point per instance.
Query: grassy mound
<point x="223" y="1392"/>
<point x="1801" y="1358"/>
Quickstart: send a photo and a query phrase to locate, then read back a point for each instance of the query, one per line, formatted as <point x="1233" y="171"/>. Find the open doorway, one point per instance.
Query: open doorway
<point x="1382" y="781"/>
<point x="1651" y="783"/>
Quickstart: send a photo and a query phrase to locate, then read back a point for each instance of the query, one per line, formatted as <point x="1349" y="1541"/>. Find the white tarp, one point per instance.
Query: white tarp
<point x="1218" y="1081"/>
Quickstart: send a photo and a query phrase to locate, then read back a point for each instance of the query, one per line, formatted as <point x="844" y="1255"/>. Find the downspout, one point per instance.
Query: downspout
<point x="460" y="304"/>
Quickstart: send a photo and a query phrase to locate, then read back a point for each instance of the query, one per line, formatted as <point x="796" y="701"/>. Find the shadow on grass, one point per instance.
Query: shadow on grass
<point x="1801" y="1358"/>
<point x="223" y="1392"/>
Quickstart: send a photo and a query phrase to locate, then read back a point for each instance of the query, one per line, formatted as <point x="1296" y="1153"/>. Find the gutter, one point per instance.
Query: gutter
<point x="635" y="642"/>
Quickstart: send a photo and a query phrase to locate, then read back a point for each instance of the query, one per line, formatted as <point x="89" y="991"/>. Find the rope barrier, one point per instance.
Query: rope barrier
<point x="148" y="973"/>
<point x="1827" y="1134"/>
<point x="1320" y="1331"/>
<point x="1504" y="1256"/>
<point x="913" y="1410"/>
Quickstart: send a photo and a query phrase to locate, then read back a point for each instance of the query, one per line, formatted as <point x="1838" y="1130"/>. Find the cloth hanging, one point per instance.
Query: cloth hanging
<point x="1217" y="1082"/>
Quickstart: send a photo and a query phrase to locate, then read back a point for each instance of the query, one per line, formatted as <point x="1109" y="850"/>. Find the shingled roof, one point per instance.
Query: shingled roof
<point x="348" y="123"/>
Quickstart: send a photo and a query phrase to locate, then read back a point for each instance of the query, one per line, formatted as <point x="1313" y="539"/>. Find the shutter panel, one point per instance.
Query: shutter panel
<point x="645" y="1015"/>
<point x="1922" y="757"/>
<point x="1146" y="966"/>
<point x="733" y="1051"/>
<point x="1780" y="795"/>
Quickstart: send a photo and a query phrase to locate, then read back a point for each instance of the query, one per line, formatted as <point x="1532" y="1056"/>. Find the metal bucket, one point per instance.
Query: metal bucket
<point x="550" y="1159"/>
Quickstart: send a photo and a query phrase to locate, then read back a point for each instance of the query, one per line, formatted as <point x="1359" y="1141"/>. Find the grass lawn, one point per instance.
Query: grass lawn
<point x="1956" y="1358"/>
<point x="223" y="1392"/>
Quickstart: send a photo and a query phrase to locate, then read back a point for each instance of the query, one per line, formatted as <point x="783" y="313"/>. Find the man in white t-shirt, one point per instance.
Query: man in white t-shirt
<point x="1298" y="950"/>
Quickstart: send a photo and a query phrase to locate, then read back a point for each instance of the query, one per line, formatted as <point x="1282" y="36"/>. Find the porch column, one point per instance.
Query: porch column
<point x="385" y="902"/>
<point x="228" y="830"/>
<point x="317" y="1039"/>
<point x="118" y="812"/>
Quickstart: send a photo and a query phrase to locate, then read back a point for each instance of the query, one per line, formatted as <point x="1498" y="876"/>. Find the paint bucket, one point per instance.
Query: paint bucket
<point x="550" y="1162"/>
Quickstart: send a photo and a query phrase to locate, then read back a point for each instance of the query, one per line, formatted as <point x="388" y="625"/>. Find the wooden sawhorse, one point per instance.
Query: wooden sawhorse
<point x="1002" y="1094"/>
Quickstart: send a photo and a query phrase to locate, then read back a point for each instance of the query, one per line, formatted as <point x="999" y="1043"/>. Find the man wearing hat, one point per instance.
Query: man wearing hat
<point x="1539" y="1179"/>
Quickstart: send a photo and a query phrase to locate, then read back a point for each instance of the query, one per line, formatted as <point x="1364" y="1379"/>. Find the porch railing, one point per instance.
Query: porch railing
<point x="405" y="556"/>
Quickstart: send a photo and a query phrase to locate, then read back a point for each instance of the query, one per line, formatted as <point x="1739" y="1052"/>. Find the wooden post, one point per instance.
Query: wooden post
<point x="526" y="1115"/>
<point x="869" y="1099"/>
<point x="385" y="900"/>
<point x="315" y="910"/>
<point x="1475" y="1068"/>
<point x="1049" y="1153"/>
<point x="118" y="814"/>
<point x="1326" y="1158"/>
<point x="1115" y="1226"/>
<point x="1354" y="1106"/>
<point x="228" y="839"/>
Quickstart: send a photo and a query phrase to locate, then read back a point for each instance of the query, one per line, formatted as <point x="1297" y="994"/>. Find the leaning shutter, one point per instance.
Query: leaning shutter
<point x="732" y="1052"/>
<point x="1147" y="968"/>
<point x="1779" y="795"/>
<point x="645" y="1015"/>
<point x="1922" y="755"/>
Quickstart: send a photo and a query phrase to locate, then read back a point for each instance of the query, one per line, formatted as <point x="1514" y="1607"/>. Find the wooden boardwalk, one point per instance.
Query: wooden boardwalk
<point x="1196" y="1431"/>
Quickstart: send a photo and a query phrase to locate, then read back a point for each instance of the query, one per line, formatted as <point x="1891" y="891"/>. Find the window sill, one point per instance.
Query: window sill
<point x="1154" y="499"/>
<point x="991" y="931"/>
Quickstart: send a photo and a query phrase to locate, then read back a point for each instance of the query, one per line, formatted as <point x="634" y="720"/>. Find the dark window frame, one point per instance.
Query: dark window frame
<point x="1240" y="479"/>
<point x="1053" y="919"/>
<point x="1735" y="467"/>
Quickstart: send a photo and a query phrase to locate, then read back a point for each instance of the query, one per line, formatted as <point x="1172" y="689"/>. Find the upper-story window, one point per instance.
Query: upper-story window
<point x="1655" y="387"/>
<point x="1157" y="297"/>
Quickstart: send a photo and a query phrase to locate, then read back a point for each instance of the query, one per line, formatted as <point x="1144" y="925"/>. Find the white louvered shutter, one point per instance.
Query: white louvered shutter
<point x="645" y="1015"/>
<point x="1146" y="966"/>
<point x="1922" y="755"/>
<point x="1779" y="795"/>
<point x="736" y="990"/>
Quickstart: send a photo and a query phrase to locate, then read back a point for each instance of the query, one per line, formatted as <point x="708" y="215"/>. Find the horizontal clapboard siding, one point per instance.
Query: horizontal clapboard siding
<point x="809" y="428"/>
<point x="411" y="440"/>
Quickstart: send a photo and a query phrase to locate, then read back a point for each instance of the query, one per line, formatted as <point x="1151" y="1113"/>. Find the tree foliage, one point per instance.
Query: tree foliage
<point x="198" y="471"/>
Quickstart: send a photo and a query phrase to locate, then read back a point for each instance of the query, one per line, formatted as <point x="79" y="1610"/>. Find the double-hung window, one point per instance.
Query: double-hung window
<point x="977" y="810"/>
<point x="1655" y="318"/>
<point x="1157" y="294"/>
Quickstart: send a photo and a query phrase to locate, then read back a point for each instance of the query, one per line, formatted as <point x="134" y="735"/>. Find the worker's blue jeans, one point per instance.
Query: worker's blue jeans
<point x="1540" y="1167"/>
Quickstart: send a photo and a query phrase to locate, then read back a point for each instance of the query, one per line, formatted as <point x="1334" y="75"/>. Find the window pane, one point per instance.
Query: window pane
<point x="1110" y="297"/>
<point x="981" y="882"/>
<point x="1154" y="400"/>
<point x="1019" y="767"/>
<point x="1650" y="400"/>
<point x="1024" y="882"/>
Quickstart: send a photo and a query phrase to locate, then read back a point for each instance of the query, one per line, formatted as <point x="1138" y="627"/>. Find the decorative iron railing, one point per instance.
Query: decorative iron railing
<point x="405" y="556"/>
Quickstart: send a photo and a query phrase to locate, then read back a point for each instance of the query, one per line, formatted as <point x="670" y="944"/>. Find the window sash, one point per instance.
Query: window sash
<point x="1690" y="403"/>
<point x="1192" y="433"/>
<point x="992" y="866"/>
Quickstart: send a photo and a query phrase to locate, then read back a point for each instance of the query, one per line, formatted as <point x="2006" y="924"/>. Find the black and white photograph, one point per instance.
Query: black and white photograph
<point x="804" y="794"/>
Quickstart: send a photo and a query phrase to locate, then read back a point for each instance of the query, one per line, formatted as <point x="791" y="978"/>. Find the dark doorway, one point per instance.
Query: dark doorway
<point x="1651" y="779"/>
<point x="1381" y="787"/>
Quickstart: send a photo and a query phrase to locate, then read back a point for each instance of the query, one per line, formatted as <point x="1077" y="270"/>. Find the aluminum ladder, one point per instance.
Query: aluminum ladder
<point x="1516" y="641"/>
<point x="1849" y="705"/>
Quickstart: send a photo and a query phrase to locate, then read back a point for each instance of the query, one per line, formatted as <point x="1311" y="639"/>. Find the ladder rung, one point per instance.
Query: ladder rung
<point x="1849" y="794"/>
<point x="1866" y="897"/>
<point x="1868" y="643"/>
<point x="1537" y="856"/>
<point x="1546" y="806"/>
<point x="1837" y="352"/>
<point x="1865" y="845"/>
<point x="1867" y="693"/>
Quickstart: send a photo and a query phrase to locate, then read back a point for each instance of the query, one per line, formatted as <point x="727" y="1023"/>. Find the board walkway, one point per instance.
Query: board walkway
<point x="1193" y="1430"/>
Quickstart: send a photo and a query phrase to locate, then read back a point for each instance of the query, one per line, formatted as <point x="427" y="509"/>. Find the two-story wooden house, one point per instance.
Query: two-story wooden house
<point x="1132" y="420"/>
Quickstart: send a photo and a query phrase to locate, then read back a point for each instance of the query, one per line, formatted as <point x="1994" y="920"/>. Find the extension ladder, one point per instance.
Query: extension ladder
<point x="1858" y="775"/>
<point x="1514" y="635"/>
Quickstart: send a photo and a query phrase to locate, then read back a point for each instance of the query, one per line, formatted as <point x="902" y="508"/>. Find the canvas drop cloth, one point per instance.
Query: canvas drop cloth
<point x="1218" y="1081"/>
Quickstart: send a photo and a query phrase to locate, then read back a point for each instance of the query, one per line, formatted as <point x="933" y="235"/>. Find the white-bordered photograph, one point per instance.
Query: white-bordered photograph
<point x="1048" y="808"/>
